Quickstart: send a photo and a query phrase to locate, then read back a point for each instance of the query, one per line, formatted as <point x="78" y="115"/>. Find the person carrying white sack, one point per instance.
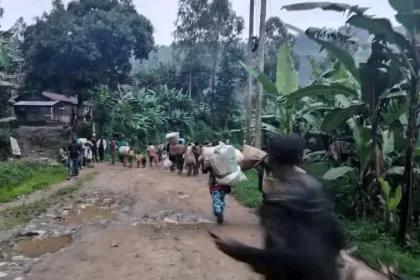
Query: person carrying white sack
<point x="88" y="155"/>
<point x="224" y="172"/>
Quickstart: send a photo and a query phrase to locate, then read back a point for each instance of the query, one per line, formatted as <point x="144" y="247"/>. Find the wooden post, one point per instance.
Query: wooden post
<point x="249" y="89"/>
<point x="261" y="45"/>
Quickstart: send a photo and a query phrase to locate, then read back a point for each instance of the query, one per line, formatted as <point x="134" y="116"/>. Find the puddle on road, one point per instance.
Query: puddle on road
<point x="84" y="215"/>
<point x="33" y="248"/>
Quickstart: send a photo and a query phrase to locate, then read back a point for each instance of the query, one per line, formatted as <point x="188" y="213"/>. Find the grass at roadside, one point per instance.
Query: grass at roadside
<point x="371" y="242"/>
<point x="24" y="178"/>
<point x="17" y="216"/>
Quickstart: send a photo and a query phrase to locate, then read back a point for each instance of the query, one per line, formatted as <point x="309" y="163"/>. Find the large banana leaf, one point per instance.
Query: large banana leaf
<point x="338" y="116"/>
<point x="362" y="139"/>
<point x="337" y="172"/>
<point x="287" y="80"/>
<point x="343" y="56"/>
<point x="395" y="113"/>
<point x="381" y="27"/>
<point x="268" y="86"/>
<point x="326" y="6"/>
<point x="388" y="142"/>
<point x="315" y="90"/>
<point x="408" y="14"/>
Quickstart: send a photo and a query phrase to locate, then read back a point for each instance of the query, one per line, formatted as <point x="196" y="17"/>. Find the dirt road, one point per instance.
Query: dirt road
<point x="132" y="224"/>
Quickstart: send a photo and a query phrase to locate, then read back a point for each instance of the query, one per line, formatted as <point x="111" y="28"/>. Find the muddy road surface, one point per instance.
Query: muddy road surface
<point x="131" y="224"/>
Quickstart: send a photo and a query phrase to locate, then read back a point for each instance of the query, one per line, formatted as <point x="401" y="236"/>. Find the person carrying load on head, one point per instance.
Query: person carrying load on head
<point x="88" y="155"/>
<point x="122" y="143"/>
<point x="113" y="150"/>
<point x="151" y="152"/>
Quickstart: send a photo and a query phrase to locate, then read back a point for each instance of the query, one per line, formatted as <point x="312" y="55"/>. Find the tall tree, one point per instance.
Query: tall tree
<point x="188" y="34"/>
<point x="11" y="64"/>
<point x="230" y="76"/>
<point x="89" y="42"/>
<point x="221" y="25"/>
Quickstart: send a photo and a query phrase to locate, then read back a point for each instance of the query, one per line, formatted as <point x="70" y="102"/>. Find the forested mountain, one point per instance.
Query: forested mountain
<point x="304" y="48"/>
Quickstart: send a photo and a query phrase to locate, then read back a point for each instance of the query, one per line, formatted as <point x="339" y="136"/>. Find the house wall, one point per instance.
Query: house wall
<point x="62" y="111"/>
<point x="31" y="114"/>
<point x="42" y="114"/>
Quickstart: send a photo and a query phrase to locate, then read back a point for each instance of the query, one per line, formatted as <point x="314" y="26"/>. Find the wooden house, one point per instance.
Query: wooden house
<point x="46" y="108"/>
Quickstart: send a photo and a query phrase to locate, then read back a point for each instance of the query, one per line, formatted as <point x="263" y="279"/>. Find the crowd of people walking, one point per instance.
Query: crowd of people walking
<point x="292" y="200"/>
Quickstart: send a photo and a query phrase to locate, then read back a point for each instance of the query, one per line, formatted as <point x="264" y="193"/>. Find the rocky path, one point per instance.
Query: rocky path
<point x="131" y="224"/>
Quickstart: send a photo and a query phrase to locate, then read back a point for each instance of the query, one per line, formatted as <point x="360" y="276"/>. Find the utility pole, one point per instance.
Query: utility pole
<point x="261" y="45"/>
<point x="249" y="87"/>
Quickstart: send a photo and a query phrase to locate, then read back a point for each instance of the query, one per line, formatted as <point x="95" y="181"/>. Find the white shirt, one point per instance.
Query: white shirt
<point x="98" y="143"/>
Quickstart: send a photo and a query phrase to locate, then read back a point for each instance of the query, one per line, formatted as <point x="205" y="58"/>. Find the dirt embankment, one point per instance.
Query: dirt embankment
<point x="41" y="141"/>
<point x="131" y="224"/>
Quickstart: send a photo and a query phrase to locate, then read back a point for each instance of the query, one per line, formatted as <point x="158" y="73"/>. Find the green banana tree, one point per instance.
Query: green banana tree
<point x="389" y="202"/>
<point x="276" y="93"/>
<point x="393" y="66"/>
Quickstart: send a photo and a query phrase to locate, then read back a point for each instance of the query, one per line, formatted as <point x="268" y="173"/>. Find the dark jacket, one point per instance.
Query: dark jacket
<point x="74" y="150"/>
<point x="94" y="148"/>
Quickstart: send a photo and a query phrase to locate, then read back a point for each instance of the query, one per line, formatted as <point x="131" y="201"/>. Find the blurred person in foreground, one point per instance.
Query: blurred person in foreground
<point x="301" y="234"/>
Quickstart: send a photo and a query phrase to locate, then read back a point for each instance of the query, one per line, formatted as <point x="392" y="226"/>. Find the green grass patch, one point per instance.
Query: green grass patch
<point x="247" y="191"/>
<point x="20" y="215"/>
<point x="375" y="245"/>
<point x="24" y="178"/>
<point x="371" y="242"/>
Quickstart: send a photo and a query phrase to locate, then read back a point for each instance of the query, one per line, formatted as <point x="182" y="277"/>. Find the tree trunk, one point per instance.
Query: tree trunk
<point x="248" y="137"/>
<point x="79" y="112"/>
<point x="93" y="121"/>
<point x="404" y="233"/>
<point x="261" y="45"/>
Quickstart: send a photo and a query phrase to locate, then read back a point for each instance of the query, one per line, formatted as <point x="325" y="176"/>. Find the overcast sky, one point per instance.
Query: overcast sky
<point x="162" y="13"/>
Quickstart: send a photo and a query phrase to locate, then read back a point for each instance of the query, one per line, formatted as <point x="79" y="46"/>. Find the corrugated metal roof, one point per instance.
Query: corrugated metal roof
<point x="64" y="98"/>
<point x="35" y="103"/>
<point x="60" y="97"/>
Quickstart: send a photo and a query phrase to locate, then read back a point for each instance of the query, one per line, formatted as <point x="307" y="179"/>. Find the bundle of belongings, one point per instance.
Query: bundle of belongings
<point x="223" y="161"/>
<point x="167" y="163"/>
<point x="253" y="157"/>
<point x="123" y="151"/>
<point x="172" y="138"/>
<point x="177" y="150"/>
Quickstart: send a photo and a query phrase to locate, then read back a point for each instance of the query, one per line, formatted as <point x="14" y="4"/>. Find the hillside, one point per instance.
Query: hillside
<point x="304" y="48"/>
